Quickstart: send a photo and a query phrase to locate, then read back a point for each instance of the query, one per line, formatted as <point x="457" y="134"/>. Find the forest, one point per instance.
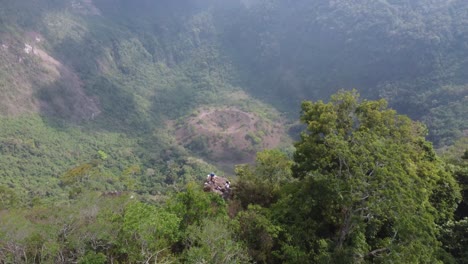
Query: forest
<point x="341" y="124"/>
<point x="363" y="186"/>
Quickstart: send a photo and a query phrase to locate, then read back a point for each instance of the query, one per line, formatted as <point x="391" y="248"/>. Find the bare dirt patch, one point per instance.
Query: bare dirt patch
<point x="228" y="136"/>
<point x="32" y="81"/>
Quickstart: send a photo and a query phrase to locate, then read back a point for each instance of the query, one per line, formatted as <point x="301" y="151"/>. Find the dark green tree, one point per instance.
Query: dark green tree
<point x="261" y="183"/>
<point x="258" y="232"/>
<point x="371" y="187"/>
<point x="193" y="205"/>
<point x="8" y="198"/>
<point x="454" y="237"/>
<point x="454" y="234"/>
<point x="148" y="232"/>
<point x="213" y="241"/>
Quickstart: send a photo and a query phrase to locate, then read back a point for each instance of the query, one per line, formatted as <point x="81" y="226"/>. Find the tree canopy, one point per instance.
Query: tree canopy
<point x="363" y="186"/>
<point x="371" y="187"/>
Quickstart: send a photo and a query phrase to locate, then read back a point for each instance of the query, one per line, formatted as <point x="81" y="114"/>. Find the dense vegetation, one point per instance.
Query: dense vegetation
<point x="126" y="68"/>
<point x="364" y="186"/>
<point x="92" y="94"/>
<point x="411" y="52"/>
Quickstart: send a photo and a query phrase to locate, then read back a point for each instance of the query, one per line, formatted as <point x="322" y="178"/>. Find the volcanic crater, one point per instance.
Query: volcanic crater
<point x="228" y="135"/>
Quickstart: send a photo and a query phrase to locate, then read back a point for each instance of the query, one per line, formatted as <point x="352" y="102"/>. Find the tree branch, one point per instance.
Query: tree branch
<point x="374" y="253"/>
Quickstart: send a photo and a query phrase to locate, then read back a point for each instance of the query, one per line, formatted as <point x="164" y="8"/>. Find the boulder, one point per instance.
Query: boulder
<point x="218" y="185"/>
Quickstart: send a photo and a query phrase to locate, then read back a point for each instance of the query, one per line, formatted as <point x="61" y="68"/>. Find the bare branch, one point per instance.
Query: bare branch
<point x="374" y="253"/>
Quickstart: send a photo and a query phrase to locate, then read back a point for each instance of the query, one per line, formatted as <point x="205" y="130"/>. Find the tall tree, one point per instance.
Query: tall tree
<point x="261" y="183"/>
<point x="371" y="188"/>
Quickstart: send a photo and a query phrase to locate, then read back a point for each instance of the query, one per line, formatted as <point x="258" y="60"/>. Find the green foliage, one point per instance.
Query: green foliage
<point x="214" y="242"/>
<point x="93" y="258"/>
<point x="78" y="174"/>
<point x="416" y="67"/>
<point x="35" y="158"/>
<point x="92" y="229"/>
<point x="193" y="205"/>
<point x="147" y="232"/>
<point x="258" y="232"/>
<point x="261" y="183"/>
<point x="369" y="187"/>
<point x="461" y="173"/>
<point x="8" y="198"/>
<point x="102" y="155"/>
<point x="364" y="172"/>
<point x="447" y="109"/>
<point x="254" y="139"/>
<point x="453" y="236"/>
<point x="456" y="156"/>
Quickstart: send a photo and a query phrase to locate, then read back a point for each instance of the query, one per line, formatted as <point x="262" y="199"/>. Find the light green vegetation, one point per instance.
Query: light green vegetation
<point x="87" y="123"/>
<point x="364" y="186"/>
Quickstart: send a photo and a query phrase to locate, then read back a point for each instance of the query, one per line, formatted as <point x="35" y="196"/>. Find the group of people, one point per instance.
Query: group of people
<point x="212" y="177"/>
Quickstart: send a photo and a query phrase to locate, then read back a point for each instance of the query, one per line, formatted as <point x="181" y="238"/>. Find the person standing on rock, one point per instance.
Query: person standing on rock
<point x="211" y="177"/>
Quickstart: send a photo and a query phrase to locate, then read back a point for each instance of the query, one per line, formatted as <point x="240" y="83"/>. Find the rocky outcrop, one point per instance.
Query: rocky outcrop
<point x="219" y="185"/>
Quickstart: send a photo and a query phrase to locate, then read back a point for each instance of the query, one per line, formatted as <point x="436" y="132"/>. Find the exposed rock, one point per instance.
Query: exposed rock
<point x="27" y="48"/>
<point x="219" y="185"/>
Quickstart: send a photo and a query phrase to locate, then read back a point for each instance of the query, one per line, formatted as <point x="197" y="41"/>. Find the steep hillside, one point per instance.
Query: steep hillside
<point x="411" y="52"/>
<point x="216" y="80"/>
<point x="112" y="112"/>
<point x="35" y="82"/>
<point x="111" y="70"/>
